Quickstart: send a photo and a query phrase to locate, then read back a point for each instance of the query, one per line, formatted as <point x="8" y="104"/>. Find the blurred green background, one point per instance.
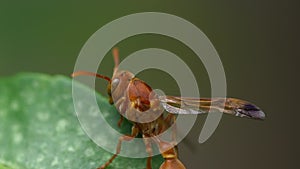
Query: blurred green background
<point x="256" y="41"/>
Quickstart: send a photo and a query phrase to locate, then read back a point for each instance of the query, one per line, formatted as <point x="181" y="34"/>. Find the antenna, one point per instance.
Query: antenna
<point x="85" y="73"/>
<point x="115" y="53"/>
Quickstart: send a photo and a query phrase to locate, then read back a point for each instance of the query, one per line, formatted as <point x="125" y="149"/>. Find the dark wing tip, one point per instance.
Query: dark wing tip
<point x="251" y="111"/>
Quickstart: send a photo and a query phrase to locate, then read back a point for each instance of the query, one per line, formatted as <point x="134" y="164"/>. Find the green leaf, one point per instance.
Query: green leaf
<point x="2" y="166"/>
<point x="39" y="129"/>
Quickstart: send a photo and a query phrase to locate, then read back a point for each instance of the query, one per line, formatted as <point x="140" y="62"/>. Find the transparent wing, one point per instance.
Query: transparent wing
<point x="236" y="107"/>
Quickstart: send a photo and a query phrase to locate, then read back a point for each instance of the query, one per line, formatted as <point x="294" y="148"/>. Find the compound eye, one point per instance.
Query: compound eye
<point x="115" y="83"/>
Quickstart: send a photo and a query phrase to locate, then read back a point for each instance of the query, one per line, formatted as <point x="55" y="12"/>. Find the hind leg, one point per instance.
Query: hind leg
<point x="170" y="120"/>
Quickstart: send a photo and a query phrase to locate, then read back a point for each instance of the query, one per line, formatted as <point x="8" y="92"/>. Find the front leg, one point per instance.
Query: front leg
<point x="120" y="121"/>
<point x="134" y="133"/>
<point x="120" y="106"/>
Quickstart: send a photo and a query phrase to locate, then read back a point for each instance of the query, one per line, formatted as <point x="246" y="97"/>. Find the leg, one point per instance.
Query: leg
<point x="170" y="120"/>
<point x="120" y="121"/>
<point x="119" y="104"/>
<point x="149" y="151"/>
<point x="134" y="132"/>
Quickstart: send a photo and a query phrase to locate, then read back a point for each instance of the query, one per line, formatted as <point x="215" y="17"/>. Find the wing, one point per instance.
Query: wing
<point x="236" y="107"/>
